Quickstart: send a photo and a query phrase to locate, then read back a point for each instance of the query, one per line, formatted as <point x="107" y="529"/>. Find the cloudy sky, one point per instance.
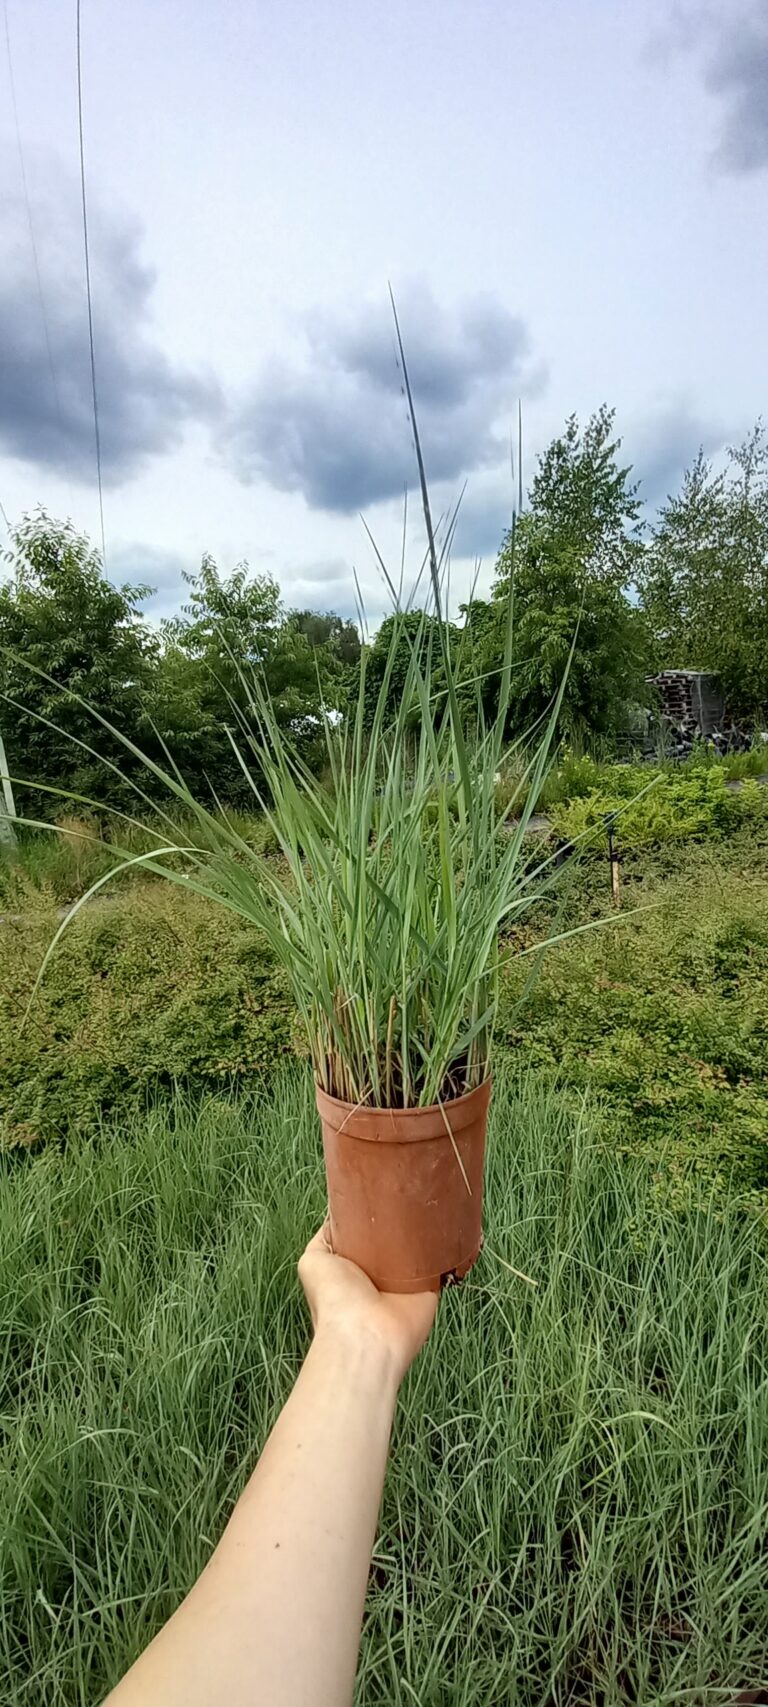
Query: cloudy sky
<point x="569" y="197"/>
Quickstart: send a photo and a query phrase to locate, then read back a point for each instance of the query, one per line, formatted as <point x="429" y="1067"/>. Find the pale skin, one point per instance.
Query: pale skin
<point x="275" y="1617"/>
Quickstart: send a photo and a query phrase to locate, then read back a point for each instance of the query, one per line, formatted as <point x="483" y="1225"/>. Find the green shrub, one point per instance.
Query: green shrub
<point x="575" y="775"/>
<point x="149" y="989"/>
<point x="735" y="766"/>
<point x="49" y="866"/>
<point x="579" y="776"/>
<point x="663" y="1017"/>
<point x="672" y="807"/>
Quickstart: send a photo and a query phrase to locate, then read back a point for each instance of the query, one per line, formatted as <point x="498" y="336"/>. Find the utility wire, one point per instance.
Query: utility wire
<point x="519" y="456"/>
<point x="86" y="252"/>
<point x="30" y="221"/>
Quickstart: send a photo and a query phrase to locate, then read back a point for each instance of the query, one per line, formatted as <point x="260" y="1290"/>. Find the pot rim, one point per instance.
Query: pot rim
<point x="385" y="1124"/>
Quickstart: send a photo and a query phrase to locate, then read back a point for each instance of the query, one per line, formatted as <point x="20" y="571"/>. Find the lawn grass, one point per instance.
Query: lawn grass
<point x="577" y="1501"/>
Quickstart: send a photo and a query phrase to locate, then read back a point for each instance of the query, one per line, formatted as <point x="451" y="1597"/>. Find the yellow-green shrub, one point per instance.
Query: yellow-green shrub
<point x="673" y="807"/>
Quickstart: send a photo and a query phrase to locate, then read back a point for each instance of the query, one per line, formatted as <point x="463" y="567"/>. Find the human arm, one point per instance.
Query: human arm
<point x="275" y="1617"/>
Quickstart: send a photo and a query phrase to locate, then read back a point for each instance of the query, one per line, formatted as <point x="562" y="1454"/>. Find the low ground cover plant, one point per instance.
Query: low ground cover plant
<point x="150" y="989"/>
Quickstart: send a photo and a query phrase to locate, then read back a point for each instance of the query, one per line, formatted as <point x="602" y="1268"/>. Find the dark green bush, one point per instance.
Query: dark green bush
<point x="147" y="990"/>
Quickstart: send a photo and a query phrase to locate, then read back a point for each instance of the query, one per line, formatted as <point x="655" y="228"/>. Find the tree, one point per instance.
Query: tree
<point x="230" y="629"/>
<point x="704" y="577"/>
<point x="584" y="503"/>
<point x="326" y="631"/>
<point x="171" y="690"/>
<point x="576" y="553"/>
<point x="59" y="615"/>
<point x="414" y="629"/>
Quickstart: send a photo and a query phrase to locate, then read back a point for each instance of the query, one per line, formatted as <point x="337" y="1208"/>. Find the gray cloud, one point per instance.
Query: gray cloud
<point x="46" y="412"/>
<point x="484" y="518"/>
<point x="152" y="566"/>
<point x="326" y="584"/>
<point x="336" y="429"/>
<point x="738" y="73"/>
<point x="665" y="444"/>
<point x="732" y="47"/>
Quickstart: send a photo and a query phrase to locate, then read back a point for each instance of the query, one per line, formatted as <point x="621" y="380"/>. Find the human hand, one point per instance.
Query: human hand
<point x="344" y="1303"/>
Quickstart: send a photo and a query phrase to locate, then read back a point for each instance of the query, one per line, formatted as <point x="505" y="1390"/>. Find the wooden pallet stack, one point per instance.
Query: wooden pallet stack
<point x="691" y="700"/>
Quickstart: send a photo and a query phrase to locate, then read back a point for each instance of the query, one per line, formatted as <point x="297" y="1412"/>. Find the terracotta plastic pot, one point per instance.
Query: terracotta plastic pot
<point x="398" y="1201"/>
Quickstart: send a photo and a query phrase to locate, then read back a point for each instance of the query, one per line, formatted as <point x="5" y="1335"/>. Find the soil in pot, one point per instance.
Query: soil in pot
<point x="398" y="1182"/>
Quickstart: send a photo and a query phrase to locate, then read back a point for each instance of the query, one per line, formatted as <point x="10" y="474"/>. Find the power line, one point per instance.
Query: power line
<point x="30" y="221"/>
<point x="86" y="251"/>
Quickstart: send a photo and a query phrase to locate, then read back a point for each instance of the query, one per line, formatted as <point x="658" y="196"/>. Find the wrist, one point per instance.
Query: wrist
<point x="359" y="1356"/>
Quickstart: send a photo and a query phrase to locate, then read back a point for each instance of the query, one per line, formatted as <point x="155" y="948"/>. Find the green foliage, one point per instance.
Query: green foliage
<point x="235" y="625"/>
<point x="575" y="1505"/>
<point x="60" y="615"/>
<point x="584" y="499"/>
<point x="664" y="1018"/>
<point x="575" y="775"/>
<point x="701" y="570"/>
<point x="575" y="557"/>
<point x="673" y="806"/>
<point x="180" y="687"/>
<point x="386" y="912"/>
<point x="47" y="867"/>
<point x="150" y="988"/>
<point x="327" y="631"/>
<point x="753" y="762"/>
<point x="664" y="1015"/>
<point x="572" y="776"/>
<point x="388" y="664"/>
<point x="704" y="576"/>
<point x="60" y="864"/>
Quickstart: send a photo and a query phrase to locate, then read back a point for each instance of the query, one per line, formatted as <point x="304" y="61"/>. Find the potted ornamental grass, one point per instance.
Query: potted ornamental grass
<point x="400" y="873"/>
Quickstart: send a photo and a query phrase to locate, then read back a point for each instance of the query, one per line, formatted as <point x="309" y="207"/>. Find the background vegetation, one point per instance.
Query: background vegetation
<point x="662" y="1015"/>
<point x="687" y="587"/>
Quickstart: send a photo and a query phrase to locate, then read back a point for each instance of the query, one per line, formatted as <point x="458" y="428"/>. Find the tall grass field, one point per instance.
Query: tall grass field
<point x="576" y="1506"/>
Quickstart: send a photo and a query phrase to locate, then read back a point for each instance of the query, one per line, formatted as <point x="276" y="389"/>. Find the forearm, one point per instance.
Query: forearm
<point x="275" y="1617"/>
